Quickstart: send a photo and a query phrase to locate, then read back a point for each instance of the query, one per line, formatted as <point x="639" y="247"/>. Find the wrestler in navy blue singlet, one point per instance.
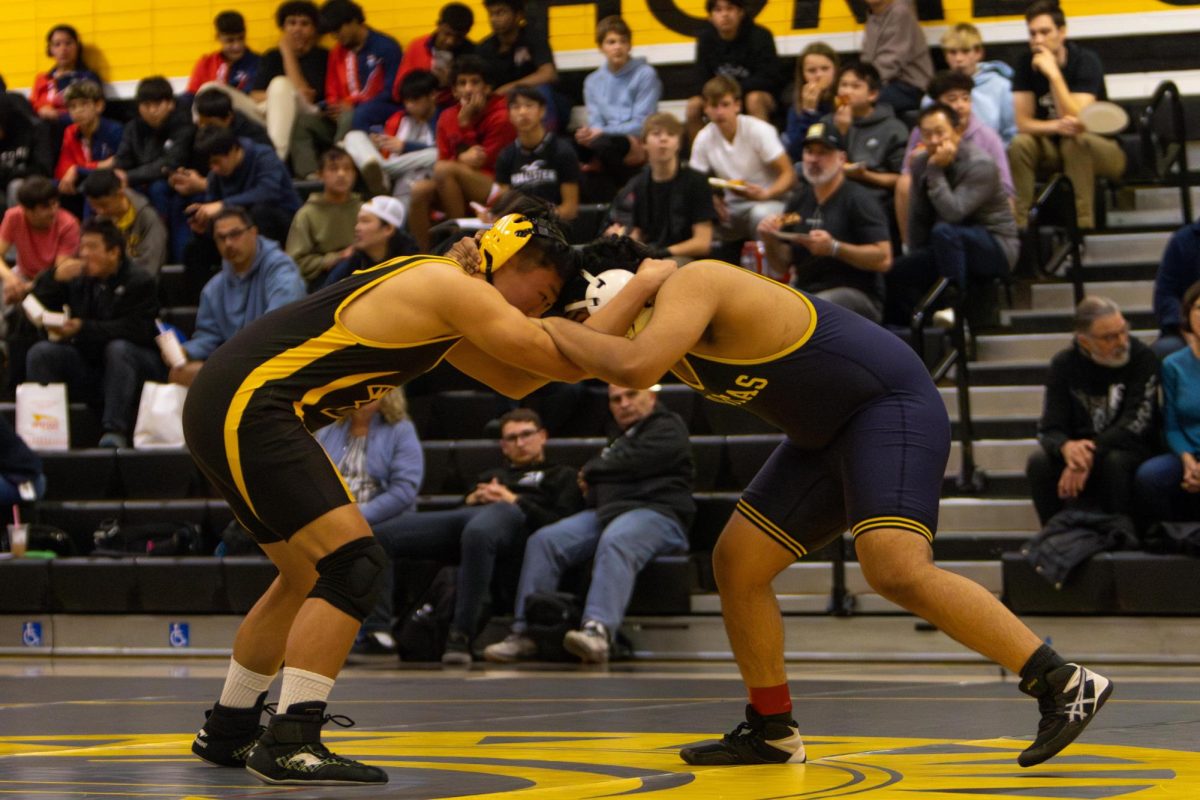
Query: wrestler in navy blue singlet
<point x="867" y="433"/>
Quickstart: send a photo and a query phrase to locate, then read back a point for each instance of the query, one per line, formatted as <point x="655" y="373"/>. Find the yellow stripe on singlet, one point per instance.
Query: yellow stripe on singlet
<point x="903" y="523"/>
<point x="756" y="518"/>
<point x="289" y="362"/>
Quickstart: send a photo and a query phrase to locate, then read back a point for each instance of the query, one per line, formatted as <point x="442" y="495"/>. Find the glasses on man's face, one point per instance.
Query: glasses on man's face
<point x="229" y="236"/>
<point x="519" y="436"/>
<point x="1111" y="338"/>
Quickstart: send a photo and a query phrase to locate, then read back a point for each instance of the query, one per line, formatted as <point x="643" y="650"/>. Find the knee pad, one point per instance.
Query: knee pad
<point x="349" y="578"/>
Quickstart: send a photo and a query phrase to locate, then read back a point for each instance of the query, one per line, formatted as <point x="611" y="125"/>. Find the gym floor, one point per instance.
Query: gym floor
<point x="111" y="728"/>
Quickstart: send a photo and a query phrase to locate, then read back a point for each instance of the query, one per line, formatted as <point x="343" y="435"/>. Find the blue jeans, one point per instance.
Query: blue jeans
<point x="475" y="537"/>
<point x="116" y="383"/>
<point x="1159" y="492"/>
<point x="621" y="549"/>
<point x="961" y="253"/>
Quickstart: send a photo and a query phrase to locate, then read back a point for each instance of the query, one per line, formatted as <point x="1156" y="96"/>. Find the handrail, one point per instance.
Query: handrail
<point x="1178" y="123"/>
<point x="1055" y="208"/>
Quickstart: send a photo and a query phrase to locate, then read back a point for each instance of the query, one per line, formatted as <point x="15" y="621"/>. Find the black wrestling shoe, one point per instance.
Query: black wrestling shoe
<point x="290" y="751"/>
<point x="1074" y="696"/>
<point x="773" y="739"/>
<point x="229" y="733"/>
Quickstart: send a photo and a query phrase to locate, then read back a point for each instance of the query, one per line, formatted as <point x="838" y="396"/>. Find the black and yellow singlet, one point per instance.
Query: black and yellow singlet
<point x="250" y="413"/>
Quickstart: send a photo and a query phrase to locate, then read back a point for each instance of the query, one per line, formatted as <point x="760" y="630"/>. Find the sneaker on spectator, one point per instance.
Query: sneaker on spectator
<point x="458" y="649"/>
<point x="515" y="647"/>
<point x="589" y="643"/>
<point x="375" y="178"/>
<point x="374" y="643"/>
<point x="114" y="439"/>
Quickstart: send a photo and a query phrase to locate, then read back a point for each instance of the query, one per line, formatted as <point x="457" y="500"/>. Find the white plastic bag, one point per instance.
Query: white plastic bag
<point x="42" y="416"/>
<point x="160" y="416"/>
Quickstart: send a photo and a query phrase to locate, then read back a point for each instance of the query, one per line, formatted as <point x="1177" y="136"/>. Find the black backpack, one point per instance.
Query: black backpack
<point x="150" y="539"/>
<point x="422" y="633"/>
<point x="548" y="617"/>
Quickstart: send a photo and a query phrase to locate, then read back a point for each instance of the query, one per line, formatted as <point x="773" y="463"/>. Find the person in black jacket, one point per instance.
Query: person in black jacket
<point x="733" y="45"/>
<point x="639" y="489"/>
<point x="24" y="146"/>
<point x="507" y="504"/>
<point x="105" y="349"/>
<point x="1100" y="418"/>
<point x="21" y="477"/>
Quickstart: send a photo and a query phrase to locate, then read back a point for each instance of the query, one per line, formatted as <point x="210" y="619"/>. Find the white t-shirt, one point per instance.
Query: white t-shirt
<point x="748" y="157"/>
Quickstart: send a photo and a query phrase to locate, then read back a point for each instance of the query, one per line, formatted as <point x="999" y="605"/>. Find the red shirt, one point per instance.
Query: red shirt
<point x="214" y="67"/>
<point x="493" y="131"/>
<point x="419" y="55"/>
<point x="38" y="250"/>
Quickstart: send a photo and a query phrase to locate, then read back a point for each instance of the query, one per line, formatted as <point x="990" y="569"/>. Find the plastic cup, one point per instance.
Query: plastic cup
<point x="18" y="539"/>
<point x="171" y="349"/>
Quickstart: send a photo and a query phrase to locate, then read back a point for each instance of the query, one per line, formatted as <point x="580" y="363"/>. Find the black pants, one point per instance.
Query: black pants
<point x="1109" y="486"/>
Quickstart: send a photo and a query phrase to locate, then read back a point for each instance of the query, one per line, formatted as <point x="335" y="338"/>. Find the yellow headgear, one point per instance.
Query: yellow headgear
<point x="507" y="235"/>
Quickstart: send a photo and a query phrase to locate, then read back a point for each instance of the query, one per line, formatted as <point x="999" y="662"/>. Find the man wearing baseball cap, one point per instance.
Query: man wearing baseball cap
<point x="379" y="235"/>
<point x="832" y="239"/>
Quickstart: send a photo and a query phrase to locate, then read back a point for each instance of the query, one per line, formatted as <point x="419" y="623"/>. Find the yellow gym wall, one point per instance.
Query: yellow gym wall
<point x="130" y="39"/>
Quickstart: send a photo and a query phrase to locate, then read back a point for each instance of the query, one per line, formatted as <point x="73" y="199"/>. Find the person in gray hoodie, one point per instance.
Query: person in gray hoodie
<point x="960" y="221"/>
<point x="619" y="97"/>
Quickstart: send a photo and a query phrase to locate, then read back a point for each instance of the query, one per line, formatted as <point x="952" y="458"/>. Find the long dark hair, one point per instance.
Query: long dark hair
<point x="62" y="27"/>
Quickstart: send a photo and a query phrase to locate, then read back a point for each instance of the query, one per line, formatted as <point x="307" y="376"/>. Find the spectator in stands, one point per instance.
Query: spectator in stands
<point x="470" y="136"/>
<point x="1099" y="421"/>
<point x="43" y="234"/>
<point x="1178" y="270"/>
<point x="21" y="478"/>
<point x="49" y="88"/>
<point x="24" y="147"/>
<point x="894" y="43"/>
<point x="874" y="137"/>
<point x="407" y="149"/>
<point x="377" y="452"/>
<point x="105" y="350"/>
<point x="435" y="52"/>
<point x="814" y="90"/>
<point x="155" y="151"/>
<point x="745" y="152"/>
<point x="954" y="89"/>
<point x="362" y="68"/>
<point x="290" y="79"/>
<point x="90" y="141"/>
<point x="1050" y="88"/>
<point x="672" y="204"/>
<point x="213" y="108"/>
<point x="991" y="97"/>
<point x="233" y="66"/>
<point x="379" y="236"/>
<point x="244" y="174"/>
<point x="734" y="46"/>
<point x="619" y="96"/>
<point x="518" y="54"/>
<point x="639" y="490"/>
<point x="845" y="247"/>
<point x="256" y="277"/>
<point x="1168" y="485"/>
<point x="507" y="504"/>
<point x="140" y="225"/>
<point x="960" y="222"/>
<point x="322" y="234"/>
<point x="538" y="162"/>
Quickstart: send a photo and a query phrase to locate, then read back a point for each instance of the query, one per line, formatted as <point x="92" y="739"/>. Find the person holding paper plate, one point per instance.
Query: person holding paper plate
<point x="103" y="348"/>
<point x="1052" y="91"/>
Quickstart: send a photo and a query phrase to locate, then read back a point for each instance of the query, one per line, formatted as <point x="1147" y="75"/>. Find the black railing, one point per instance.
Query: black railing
<point x="1053" y="214"/>
<point x="1165" y="146"/>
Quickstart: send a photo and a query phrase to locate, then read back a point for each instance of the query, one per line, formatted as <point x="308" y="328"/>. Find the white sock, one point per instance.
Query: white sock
<point x="242" y="687"/>
<point x="300" y="686"/>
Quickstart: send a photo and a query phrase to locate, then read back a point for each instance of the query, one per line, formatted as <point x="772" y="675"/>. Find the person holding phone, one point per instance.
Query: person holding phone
<point x="832" y="239"/>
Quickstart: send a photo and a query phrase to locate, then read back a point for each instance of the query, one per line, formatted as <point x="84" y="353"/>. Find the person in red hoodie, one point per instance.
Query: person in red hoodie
<point x="470" y="135"/>
<point x="89" y="142"/>
<point x="436" y="52"/>
<point x="233" y="66"/>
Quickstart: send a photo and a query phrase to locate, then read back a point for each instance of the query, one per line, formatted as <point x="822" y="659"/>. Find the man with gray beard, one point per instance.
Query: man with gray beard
<point x="1100" y="417"/>
<point x="833" y="235"/>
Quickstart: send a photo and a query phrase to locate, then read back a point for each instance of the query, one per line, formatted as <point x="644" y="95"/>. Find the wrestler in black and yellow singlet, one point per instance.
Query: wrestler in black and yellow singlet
<point x="868" y="434"/>
<point x="250" y="413"/>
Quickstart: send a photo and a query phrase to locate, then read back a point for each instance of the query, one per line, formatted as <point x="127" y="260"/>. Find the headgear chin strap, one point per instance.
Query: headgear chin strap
<point x="506" y="237"/>
<point x="604" y="287"/>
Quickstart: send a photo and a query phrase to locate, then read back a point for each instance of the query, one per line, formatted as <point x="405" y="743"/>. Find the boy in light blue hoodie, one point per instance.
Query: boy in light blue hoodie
<point x="619" y="97"/>
<point x="991" y="99"/>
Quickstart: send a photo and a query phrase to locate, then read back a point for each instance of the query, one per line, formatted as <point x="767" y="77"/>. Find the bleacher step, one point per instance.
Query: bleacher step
<point x="1033" y="346"/>
<point x="997" y="402"/>
<point x="1061" y="320"/>
<point x="1058" y="296"/>
<point x="1124" y="248"/>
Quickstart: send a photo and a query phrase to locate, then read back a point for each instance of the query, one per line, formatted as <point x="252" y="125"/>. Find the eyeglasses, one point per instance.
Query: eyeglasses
<point x="1109" y="338"/>
<point x="229" y="236"/>
<point x="520" y="436"/>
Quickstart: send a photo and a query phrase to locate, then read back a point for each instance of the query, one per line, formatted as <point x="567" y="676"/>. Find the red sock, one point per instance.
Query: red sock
<point x="769" y="700"/>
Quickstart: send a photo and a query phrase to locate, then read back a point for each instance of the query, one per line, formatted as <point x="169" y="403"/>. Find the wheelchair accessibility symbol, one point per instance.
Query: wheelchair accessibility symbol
<point x="31" y="634"/>
<point x="178" y="635"/>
